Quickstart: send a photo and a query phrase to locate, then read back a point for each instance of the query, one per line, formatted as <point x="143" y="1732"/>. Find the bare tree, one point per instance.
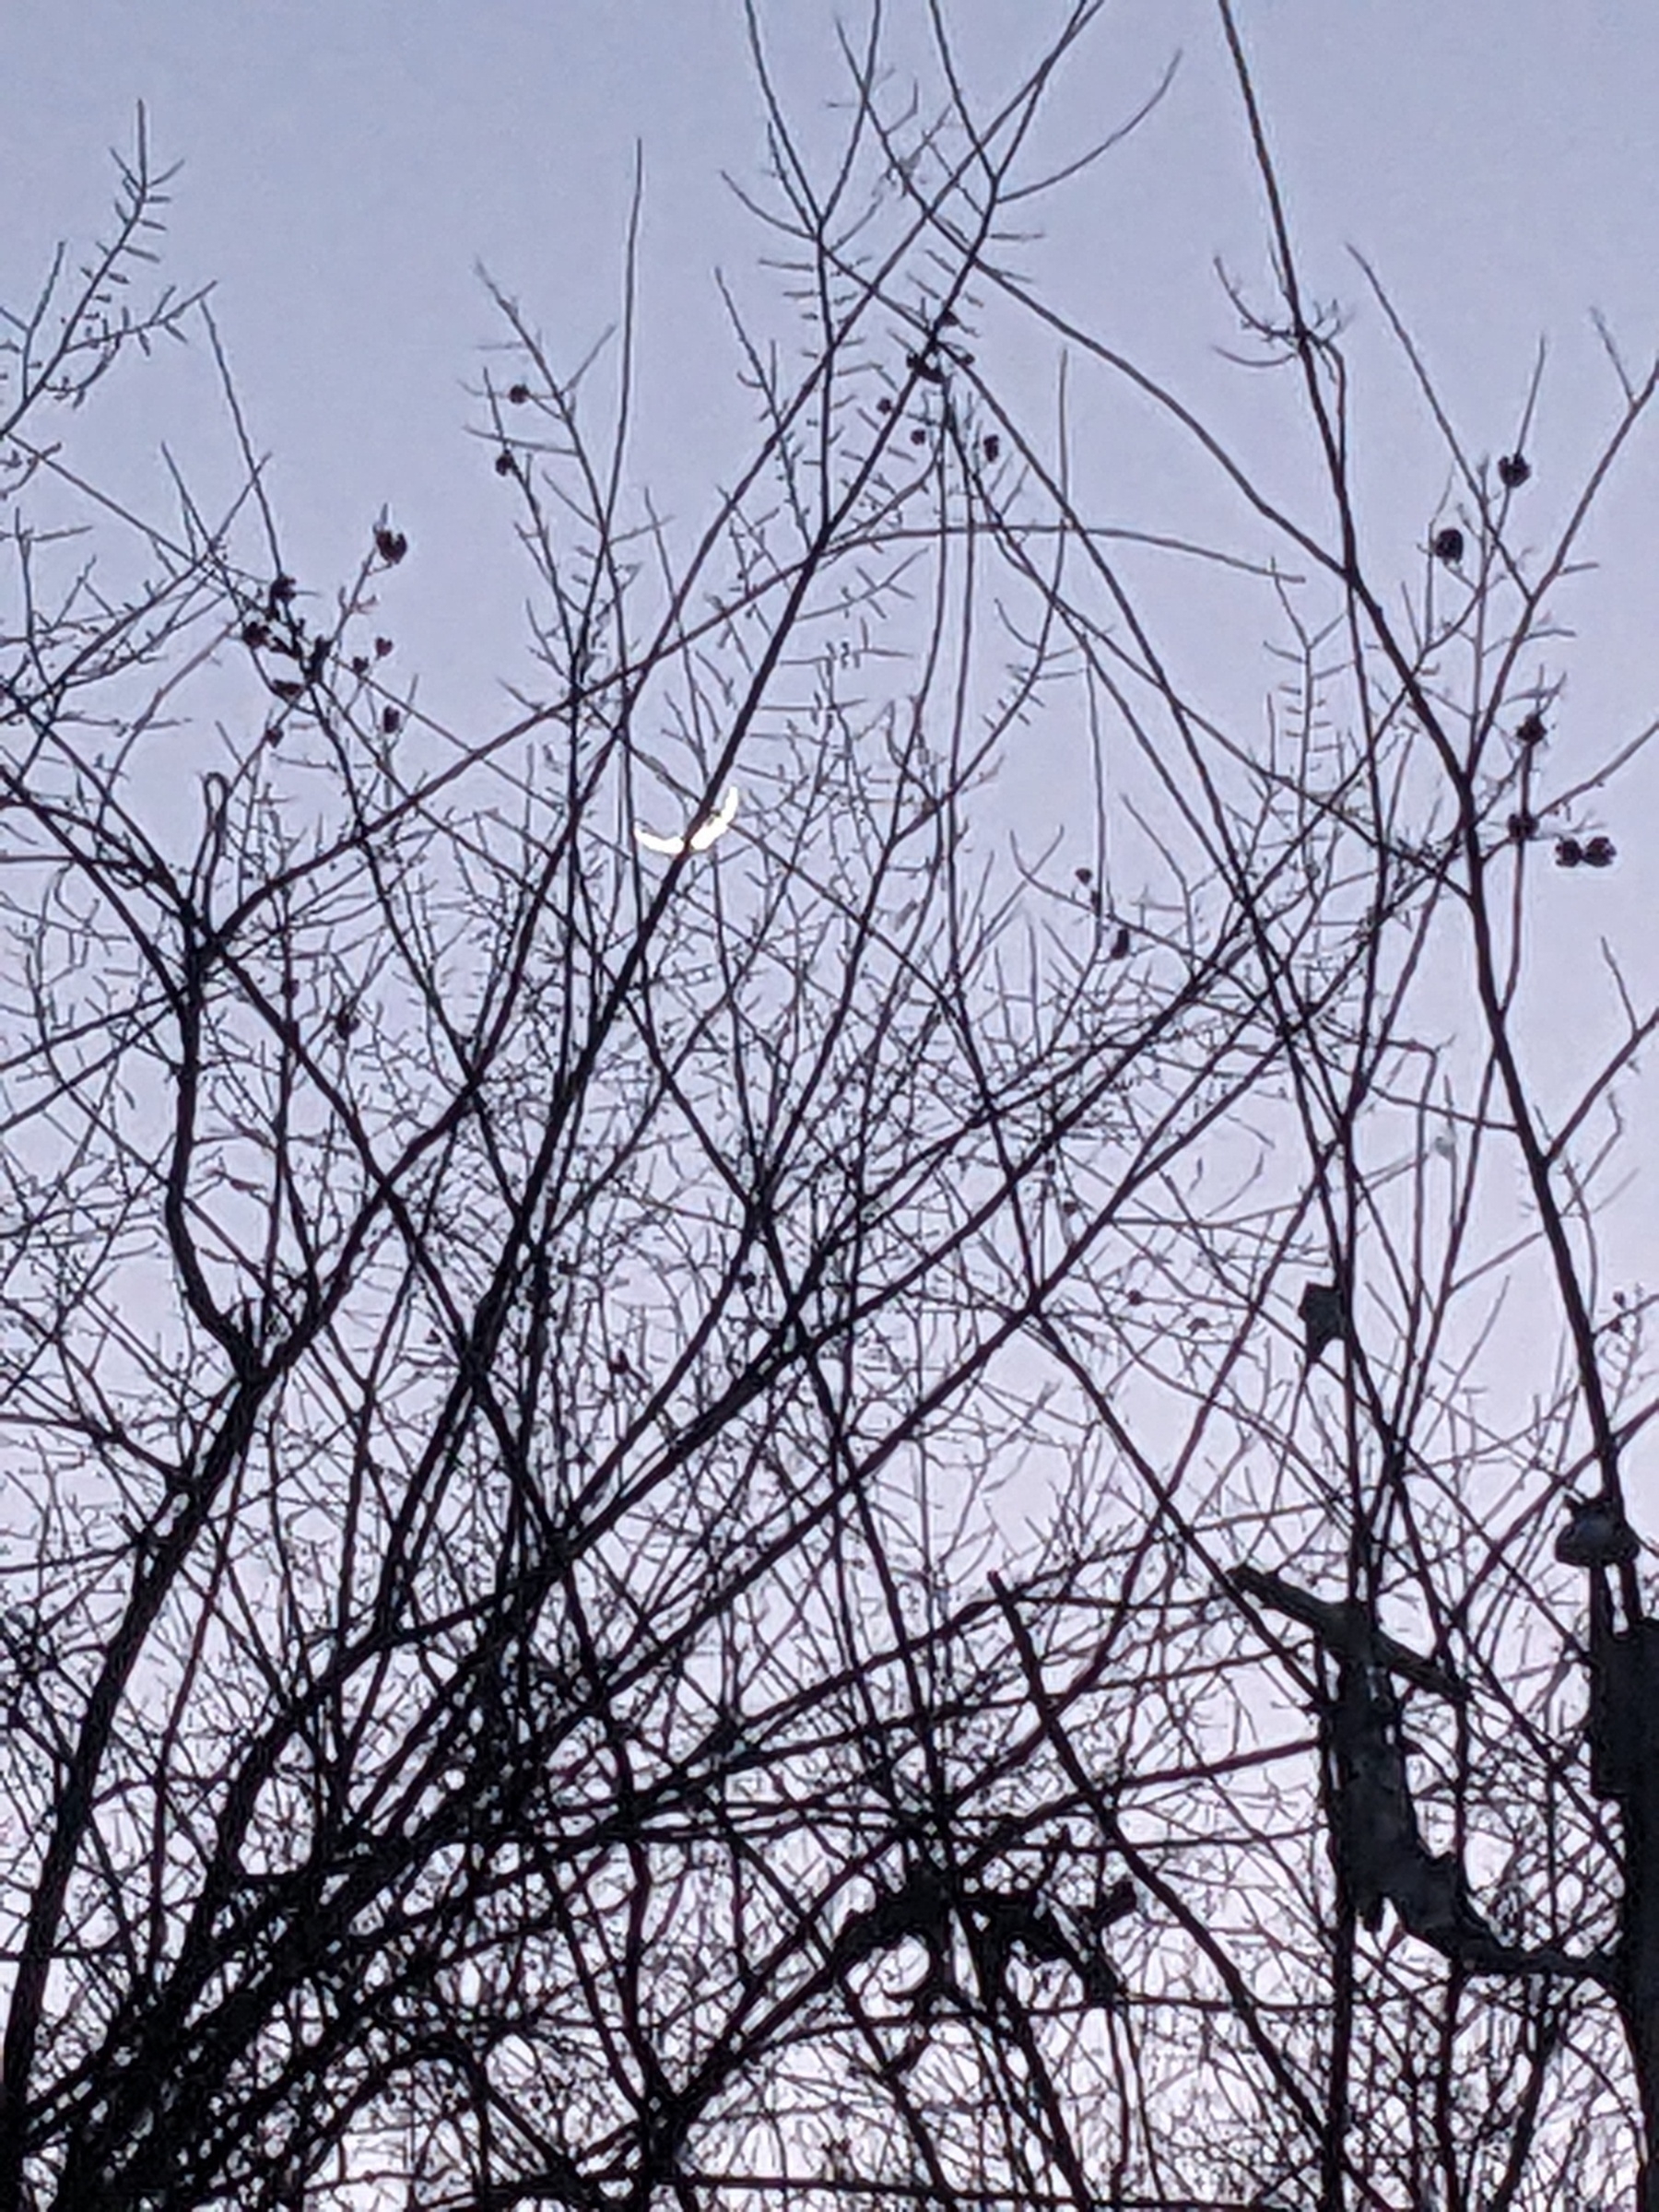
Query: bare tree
<point x="539" y="1260"/>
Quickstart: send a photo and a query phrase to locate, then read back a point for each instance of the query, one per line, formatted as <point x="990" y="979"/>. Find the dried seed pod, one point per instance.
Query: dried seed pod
<point x="1323" y="1318"/>
<point x="1597" y="1534"/>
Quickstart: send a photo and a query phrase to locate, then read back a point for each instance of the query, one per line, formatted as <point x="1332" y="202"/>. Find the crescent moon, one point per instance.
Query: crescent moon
<point x="700" y="837"/>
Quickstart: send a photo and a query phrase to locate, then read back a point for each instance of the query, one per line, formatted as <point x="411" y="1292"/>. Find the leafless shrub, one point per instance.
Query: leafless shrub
<point x="528" y="1350"/>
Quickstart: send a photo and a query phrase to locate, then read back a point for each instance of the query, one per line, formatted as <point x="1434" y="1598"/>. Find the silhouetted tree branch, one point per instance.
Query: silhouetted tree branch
<point x="667" y="1492"/>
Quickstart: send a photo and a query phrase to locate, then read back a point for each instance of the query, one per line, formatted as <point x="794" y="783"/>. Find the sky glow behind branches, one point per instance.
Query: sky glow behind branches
<point x="349" y="165"/>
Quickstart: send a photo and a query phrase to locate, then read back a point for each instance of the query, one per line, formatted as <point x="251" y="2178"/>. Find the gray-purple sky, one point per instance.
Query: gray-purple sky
<point x="349" y="163"/>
